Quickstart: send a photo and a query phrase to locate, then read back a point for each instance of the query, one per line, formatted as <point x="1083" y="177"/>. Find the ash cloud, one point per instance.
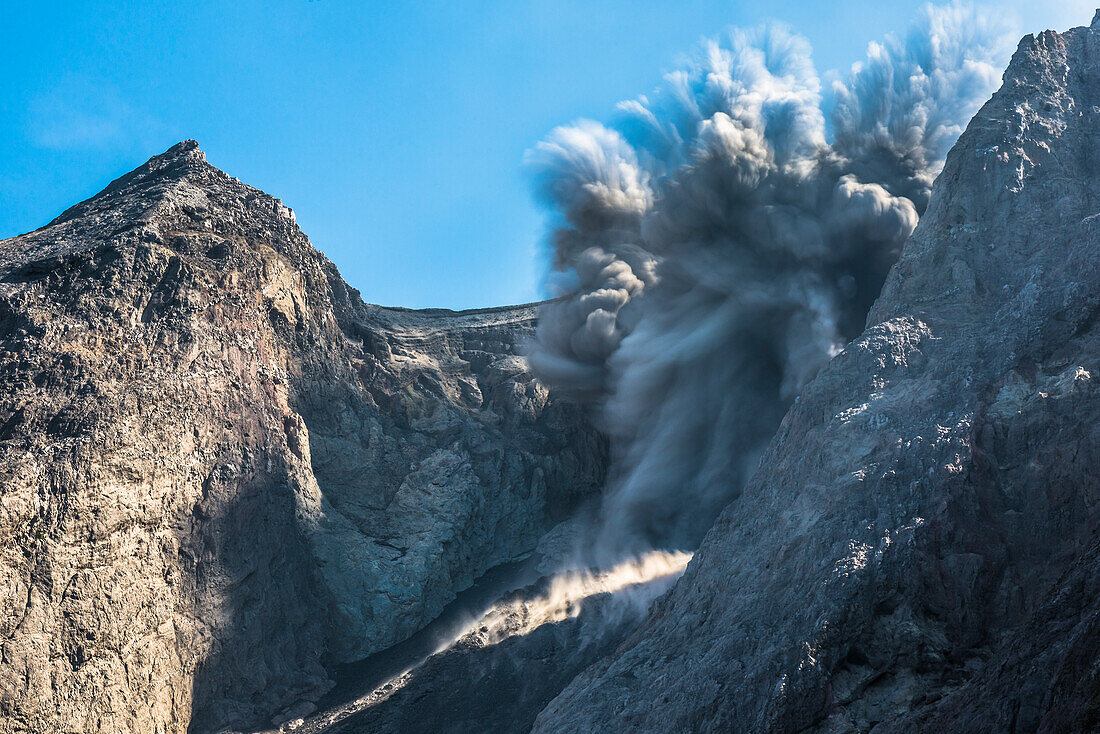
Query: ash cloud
<point x="724" y="237"/>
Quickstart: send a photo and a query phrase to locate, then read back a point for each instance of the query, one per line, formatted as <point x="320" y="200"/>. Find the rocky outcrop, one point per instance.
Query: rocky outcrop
<point x="223" y="472"/>
<point x="917" y="550"/>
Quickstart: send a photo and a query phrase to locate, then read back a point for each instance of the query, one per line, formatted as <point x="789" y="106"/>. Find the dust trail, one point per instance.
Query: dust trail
<point x="634" y="583"/>
<point x="615" y="598"/>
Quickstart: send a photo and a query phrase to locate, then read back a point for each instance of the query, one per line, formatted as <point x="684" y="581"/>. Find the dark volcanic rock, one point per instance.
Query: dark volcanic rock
<point x="222" y="471"/>
<point x="918" y="548"/>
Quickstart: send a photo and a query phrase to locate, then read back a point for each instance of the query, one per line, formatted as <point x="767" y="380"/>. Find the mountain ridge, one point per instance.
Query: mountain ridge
<point x="225" y="476"/>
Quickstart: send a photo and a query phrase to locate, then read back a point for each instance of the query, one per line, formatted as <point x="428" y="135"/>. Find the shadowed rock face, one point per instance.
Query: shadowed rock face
<point x="917" y="550"/>
<point x="221" y="471"/>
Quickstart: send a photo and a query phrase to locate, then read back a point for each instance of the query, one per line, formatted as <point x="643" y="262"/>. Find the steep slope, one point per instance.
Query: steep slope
<point x="221" y="471"/>
<point x="917" y="550"/>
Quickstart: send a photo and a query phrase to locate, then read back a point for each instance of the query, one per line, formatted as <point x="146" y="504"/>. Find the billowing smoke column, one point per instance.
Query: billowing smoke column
<point x="720" y="242"/>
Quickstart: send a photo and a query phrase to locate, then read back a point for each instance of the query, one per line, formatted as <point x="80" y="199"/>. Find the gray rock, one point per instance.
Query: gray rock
<point x="917" y="550"/>
<point x="221" y="471"/>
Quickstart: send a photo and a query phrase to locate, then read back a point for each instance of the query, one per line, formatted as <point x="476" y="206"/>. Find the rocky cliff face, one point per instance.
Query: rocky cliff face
<point x="918" y="548"/>
<point x="223" y="475"/>
<point x="223" y="472"/>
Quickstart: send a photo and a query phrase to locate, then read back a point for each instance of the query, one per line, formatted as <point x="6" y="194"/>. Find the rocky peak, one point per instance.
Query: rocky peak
<point x="152" y="180"/>
<point x="222" y="470"/>
<point x="177" y="162"/>
<point x="177" y="210"/>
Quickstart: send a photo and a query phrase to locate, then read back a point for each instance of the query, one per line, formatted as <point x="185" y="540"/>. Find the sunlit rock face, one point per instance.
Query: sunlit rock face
<point x="222" y="471"/>
<point x="917" y="550"/>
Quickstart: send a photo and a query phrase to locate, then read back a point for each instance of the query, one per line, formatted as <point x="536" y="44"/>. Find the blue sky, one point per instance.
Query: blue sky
<point x="395" y="130"/>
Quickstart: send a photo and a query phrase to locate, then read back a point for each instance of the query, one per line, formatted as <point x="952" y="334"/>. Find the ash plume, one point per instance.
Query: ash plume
<point x="724" y="237"/>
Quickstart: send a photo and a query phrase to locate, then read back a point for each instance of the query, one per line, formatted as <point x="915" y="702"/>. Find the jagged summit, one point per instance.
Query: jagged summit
<point x="182" y="153"/>
<point x="176" y="200"/>
<point x="183" y="205"/>
<point x="181" y="173"/>
<point x="189" y="146"/>
<point x="182" y="161"/>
